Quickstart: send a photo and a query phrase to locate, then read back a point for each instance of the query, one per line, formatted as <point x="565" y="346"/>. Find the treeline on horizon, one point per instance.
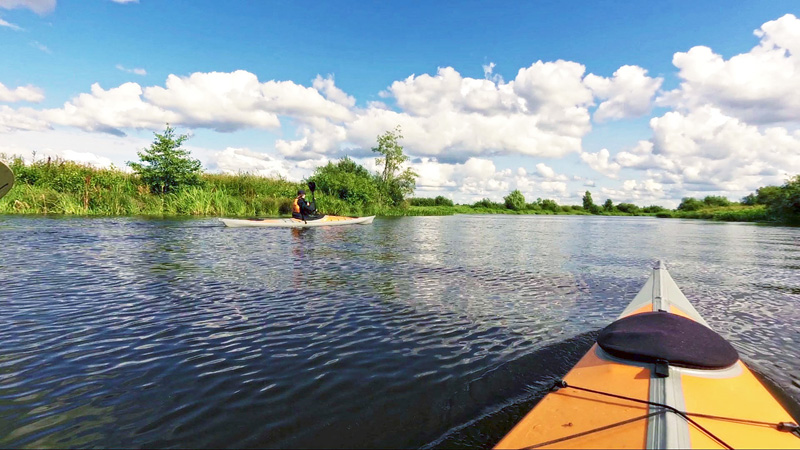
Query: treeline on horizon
<point x="167" y="181"/>
<point x="768" y="204"/>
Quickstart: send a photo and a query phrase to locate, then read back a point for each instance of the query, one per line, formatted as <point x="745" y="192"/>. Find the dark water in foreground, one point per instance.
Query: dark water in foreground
<point x="411" y="332"/>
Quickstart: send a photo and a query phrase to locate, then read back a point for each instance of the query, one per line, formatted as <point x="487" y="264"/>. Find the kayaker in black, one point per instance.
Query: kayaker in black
<point x="302" y="209"/>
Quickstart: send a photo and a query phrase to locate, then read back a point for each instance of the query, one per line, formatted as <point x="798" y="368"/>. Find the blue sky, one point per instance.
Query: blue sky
<point x="634" y="101"/>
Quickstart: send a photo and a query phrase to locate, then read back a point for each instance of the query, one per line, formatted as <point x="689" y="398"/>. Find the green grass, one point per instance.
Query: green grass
<point x="731" y="213"/>
<point x="65" y="187"/>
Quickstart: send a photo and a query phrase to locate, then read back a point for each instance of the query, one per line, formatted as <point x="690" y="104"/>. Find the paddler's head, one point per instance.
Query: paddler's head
<point x="301" y="193"/>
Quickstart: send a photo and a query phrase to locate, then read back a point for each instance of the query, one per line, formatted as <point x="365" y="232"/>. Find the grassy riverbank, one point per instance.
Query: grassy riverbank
<point x="66" y="187"/>
<point x="732" y="213"/>
<point x="735" y="213"/>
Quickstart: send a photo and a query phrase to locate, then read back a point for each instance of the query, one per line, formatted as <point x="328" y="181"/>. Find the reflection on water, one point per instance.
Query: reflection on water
<point x="425" y="331"/>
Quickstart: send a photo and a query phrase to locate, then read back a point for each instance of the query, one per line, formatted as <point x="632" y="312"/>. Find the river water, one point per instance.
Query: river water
<point x="410" y="332"/>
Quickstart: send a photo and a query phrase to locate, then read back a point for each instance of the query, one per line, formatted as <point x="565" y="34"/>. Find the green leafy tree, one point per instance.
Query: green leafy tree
<point x="393" y="182"/>
<point x="515" y="200"/>
<point x="768" y="194"/>
<point x="486" y="203"/>
<point x="608" y="205"/>
<point x="629" y="208"/>
<point x="441" y="200"/>
<point x="716" y="200"/>
<point x="346" y="180"/>
<point x="653" y="209"/>
<point x="749" y="200"/>
<point x="690" y="204"/>
<point x="550" y="205"/>
<point x="165" y="166"/>
<point x="588" y="203"/>
<point x="785" y="205"/>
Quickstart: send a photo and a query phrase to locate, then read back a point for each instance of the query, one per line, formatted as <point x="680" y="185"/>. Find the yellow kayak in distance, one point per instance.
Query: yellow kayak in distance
<point x="298" y="223"/>
<point x="659" y="378"/>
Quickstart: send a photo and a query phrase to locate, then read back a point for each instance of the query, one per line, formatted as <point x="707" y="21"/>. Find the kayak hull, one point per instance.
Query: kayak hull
<point x="325" y="221"/>
<point x="723" y="404"/>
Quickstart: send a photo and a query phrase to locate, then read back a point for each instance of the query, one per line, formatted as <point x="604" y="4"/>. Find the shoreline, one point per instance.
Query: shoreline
<point x="413" y="211"/>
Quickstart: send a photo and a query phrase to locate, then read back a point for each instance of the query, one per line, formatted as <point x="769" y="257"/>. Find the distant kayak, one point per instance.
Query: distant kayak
<point x="325" y="221"/>
<point x="658" y="377"/>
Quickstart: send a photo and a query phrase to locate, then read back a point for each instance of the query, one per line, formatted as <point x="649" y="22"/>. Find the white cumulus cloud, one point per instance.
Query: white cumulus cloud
<point x="20" y="119"/>
<point x="628" y="93"/>
<point x="706" y="150"/>
<point x="759" y="87"/>
<point x="27" y="93"/>
<point x="110" y="111"/>
<point x="601" y="162"/>
<point x="229" y="101"/>
<point x="242" y="160"/>
<point x="548" y="173"/>
<point x="216" y="100"/>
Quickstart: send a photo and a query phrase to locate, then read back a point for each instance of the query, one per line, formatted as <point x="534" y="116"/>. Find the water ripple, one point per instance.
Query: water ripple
<point x="428" y="331"/>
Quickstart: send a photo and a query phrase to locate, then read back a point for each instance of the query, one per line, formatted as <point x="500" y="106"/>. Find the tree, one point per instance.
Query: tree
<point x="716" y="200"/>
<point x="749" y="200"/>
<point x="515" y="200"/>
<point x="608" y="205"/>
<point x="486" y="203"/>
<point x="346" y="180"/>
<point x="550" y="205"/>
<point x="690" y="204"/>
<point x="588" y="203"/>
<point x="767" y="194"/>
<point x="629" y="208"/>
<point x="785" y="205"/>
<point x="168" y="167"/>
<point x="653" y="209"/>
<point x="441" y="200"/>
<point x="393" y="183"/>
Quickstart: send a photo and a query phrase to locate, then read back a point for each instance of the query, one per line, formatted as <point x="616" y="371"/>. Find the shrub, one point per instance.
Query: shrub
<point x="653" y="209"/>
<point x="346" y="180"/>
<point x="422" y="201"/>
<point x="716" y="200"/>
<point x="515" y="200"/>
<point x="550" y="205"/>
<point x="486" y="203"/>
<point x="690" y="204"/>
<point x="629" y="208"/>
<point x="443" y="201"/>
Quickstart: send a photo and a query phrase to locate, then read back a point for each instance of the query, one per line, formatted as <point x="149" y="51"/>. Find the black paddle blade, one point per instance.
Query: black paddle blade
<point x="312" y="186"/>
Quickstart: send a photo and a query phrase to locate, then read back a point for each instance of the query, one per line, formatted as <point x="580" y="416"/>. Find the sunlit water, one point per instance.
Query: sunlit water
<point x="410" y="332"/>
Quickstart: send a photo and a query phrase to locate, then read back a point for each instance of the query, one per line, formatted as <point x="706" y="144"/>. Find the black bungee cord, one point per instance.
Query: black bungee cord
<point x="561" y="384"/>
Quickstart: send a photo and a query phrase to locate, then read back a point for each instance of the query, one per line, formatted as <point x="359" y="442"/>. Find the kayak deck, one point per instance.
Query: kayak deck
<point x="724" y="407"/>
<point x="298" y="223"/>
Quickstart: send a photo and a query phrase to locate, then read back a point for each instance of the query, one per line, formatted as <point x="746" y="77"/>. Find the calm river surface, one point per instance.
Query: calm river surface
<point x="411" y="332"/>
